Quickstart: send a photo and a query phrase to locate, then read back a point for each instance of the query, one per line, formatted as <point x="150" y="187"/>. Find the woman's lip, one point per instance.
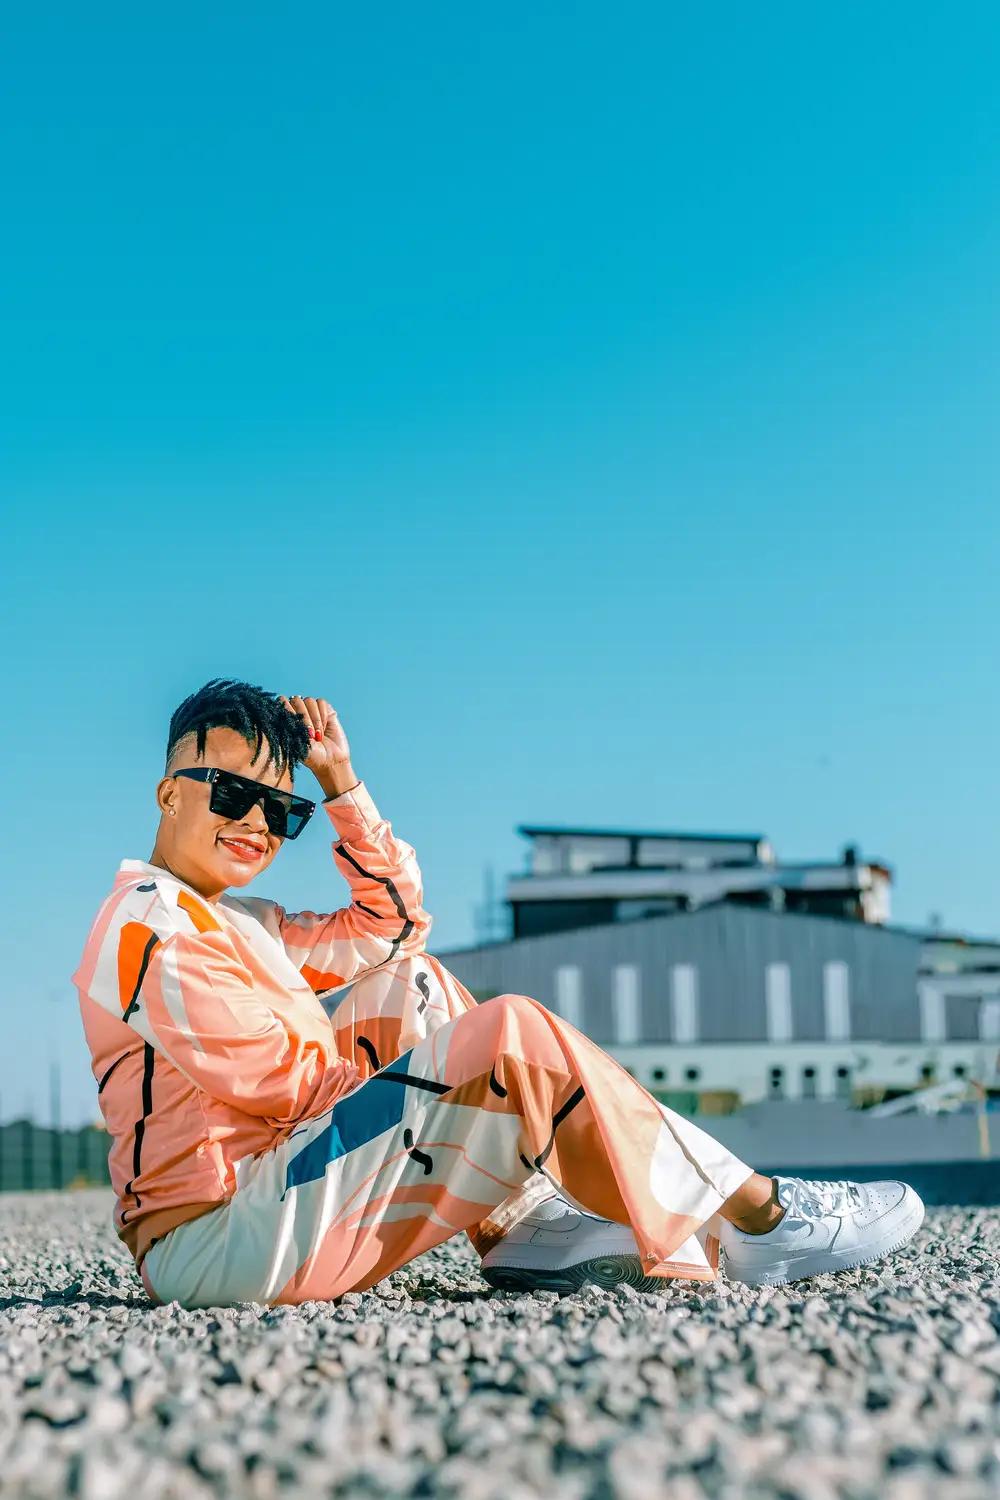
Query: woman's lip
<point x="249" y="852"/>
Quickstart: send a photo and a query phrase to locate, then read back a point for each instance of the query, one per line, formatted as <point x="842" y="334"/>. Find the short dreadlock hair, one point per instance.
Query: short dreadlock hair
<point x="260" y="717"/>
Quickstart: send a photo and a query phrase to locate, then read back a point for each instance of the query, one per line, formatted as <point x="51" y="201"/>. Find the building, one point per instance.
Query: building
<point x="580" y="877"/>
<point x="959" y="989"/>
<point x="737" y="1002"/>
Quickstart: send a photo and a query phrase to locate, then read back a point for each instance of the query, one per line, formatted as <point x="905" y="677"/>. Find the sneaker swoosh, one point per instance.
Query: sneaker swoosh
<point x="793" y="1238"/>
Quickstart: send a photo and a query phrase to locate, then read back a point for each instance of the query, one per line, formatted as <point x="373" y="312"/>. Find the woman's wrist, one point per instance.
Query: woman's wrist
<point x="336" y="780"/>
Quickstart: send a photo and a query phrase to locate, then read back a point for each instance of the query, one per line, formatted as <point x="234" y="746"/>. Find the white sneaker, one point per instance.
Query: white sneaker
<point x="557" y="1248"/>
<point x="828" y="1226"/>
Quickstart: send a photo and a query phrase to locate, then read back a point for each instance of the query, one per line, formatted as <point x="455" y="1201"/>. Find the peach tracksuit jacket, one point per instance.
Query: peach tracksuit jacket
<point x="298" y="1104"/>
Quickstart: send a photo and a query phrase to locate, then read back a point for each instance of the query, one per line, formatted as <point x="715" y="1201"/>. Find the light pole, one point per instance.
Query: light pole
<point x="55" y="1103"/>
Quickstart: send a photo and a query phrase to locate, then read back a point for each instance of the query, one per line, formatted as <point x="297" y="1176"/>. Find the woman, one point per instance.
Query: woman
<point x="300" y="1103"/>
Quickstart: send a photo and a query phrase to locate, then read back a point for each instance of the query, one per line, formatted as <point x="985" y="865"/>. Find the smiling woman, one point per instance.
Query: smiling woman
<point x="301" y="1103"/>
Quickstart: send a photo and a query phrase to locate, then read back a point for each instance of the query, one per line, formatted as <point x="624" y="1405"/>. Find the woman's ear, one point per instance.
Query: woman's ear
<point x="166" y="796"/>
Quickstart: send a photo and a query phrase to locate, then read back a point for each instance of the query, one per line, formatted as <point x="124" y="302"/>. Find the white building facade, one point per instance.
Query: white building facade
<point x="741" y="1001"/>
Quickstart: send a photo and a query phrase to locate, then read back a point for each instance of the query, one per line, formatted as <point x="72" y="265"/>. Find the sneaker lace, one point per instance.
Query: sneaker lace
<point x="814" y="1199"/>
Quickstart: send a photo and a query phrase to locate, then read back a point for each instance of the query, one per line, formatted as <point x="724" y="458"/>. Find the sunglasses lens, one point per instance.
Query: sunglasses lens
<point x="285" y="815"/>
<point x="231" y="798"/>
<point x="296" y="822"/>
<point x="276" y="814"/>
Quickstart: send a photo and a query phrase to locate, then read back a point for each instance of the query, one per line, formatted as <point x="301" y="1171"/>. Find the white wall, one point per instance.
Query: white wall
<point x="684" y="1003"/>
<point x="778" y="997"/>
<point x="989" y="1020"/>
<point x="837" y="1001"/>
<point x="745" y="1068"/>
<point x="625" y="1004"/>
<point x="569" y="995"/>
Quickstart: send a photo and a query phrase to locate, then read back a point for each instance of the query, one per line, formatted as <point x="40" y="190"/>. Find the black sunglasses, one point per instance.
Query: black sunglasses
<point x="233" y="796"/>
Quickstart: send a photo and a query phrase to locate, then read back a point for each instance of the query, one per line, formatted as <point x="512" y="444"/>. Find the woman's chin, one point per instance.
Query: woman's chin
<point x="239" y="874"/>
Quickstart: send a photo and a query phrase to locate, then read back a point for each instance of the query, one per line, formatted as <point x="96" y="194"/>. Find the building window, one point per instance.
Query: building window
<point x="837" y="1001"/>
<point x="808" y="1083"/>
<point x="777" y="1089"/>
<point x="959" y="1070"/>
<point x="568" y="995"/>
<point x="659" y="1074"/>
<point x="778" y="997"/>
<point x="684" y="1002"/>
<point x="692" y="1074"/>
<point x="927" y="1073"/>
<point x="843" y="1086"/>
<point x="625" y="1004"/>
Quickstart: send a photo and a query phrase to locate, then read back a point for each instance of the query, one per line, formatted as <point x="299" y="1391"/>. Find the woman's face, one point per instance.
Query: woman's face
<point x="202" y="848"/>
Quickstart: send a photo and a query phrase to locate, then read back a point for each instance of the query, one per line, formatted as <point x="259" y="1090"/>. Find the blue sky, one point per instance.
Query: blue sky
<point x="600" y="406"/>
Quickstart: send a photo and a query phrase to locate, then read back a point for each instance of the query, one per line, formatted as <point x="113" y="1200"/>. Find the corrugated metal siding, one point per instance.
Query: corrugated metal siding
<point x="730" y="946"/>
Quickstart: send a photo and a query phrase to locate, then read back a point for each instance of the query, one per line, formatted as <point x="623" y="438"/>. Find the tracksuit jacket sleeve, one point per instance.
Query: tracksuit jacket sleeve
<point x="385" y="919"/>
<point x="233" y="1035"/>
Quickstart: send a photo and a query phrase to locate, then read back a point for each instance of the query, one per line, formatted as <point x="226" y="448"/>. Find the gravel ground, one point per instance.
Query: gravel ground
<point x="874" y="1384"/>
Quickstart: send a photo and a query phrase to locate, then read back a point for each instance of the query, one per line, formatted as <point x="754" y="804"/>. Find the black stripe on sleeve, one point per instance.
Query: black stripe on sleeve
<point x="393" y="895"/>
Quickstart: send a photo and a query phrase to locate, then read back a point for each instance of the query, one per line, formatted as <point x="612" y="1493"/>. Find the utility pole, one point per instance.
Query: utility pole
<point x="55" y="1107"/>
<point x="55" y="1103"/>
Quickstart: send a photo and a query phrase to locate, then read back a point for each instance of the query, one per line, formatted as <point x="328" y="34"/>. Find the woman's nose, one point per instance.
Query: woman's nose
<point x="255" y="819"/>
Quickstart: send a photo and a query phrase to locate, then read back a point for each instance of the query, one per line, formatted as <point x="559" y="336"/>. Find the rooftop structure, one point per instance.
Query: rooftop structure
<point x="584" y="877"/>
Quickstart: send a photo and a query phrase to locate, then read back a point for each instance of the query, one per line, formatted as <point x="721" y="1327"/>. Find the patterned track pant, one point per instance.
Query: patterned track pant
<point x="461" y="1109"/>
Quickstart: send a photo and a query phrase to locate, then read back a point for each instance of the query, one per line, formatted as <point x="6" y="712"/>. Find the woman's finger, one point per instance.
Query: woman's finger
<point x="297" y="704"/>
<point x="315" y="717"/>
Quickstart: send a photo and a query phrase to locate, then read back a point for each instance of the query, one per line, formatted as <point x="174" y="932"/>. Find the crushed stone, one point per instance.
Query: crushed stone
<point x="879" y="1384"/>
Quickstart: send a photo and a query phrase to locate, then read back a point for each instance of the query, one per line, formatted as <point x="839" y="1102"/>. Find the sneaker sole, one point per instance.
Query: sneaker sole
<point x="607" y="1271"/>
<point x="829" y="1262"/>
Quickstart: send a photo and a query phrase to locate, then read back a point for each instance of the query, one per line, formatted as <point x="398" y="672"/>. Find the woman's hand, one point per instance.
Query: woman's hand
<point x="329" y="756"/>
